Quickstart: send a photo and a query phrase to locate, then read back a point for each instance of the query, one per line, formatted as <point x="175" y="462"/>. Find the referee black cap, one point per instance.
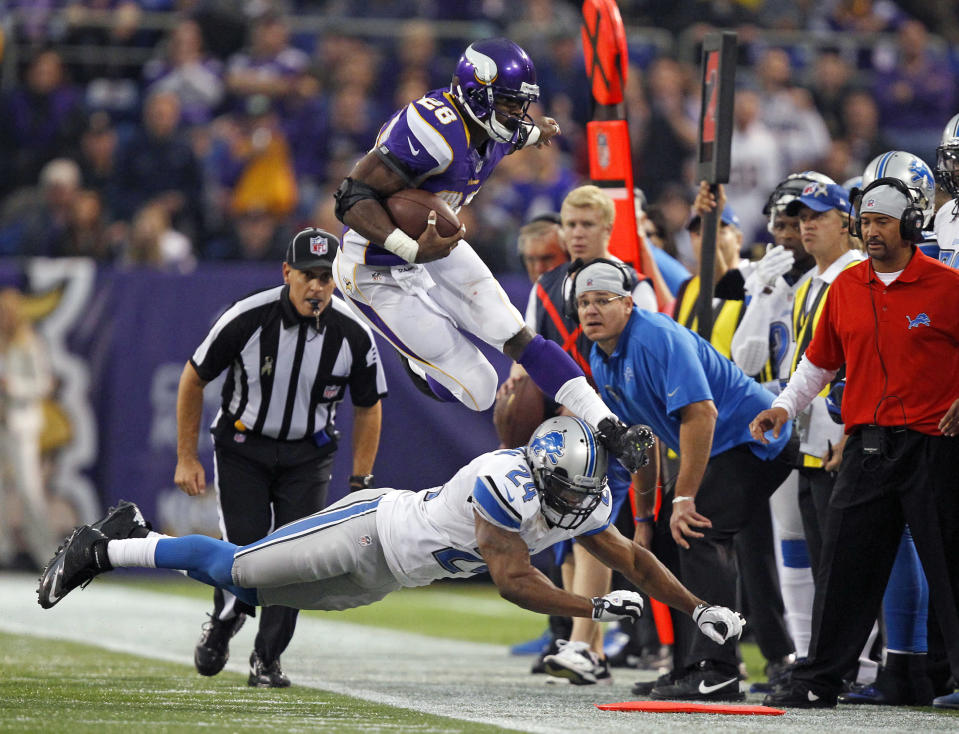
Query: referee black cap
<point x="312" y="248"/>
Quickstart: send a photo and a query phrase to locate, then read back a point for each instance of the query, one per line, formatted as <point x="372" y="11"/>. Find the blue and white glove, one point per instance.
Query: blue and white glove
<point x="617" y="605"/>
<point x="719" y="624"/>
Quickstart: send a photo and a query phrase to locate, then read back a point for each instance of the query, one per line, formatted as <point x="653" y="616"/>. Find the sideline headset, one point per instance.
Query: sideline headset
<point x="572" y="271"/>
<point x="910" y="221"/>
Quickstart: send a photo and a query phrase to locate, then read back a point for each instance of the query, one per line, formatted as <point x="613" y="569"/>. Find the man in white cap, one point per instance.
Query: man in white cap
<point x="695" y="400"/>
<point x="887" y="320"/>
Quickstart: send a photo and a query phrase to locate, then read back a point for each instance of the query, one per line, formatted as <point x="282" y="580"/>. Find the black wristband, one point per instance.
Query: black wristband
<point x="360" y="481"/>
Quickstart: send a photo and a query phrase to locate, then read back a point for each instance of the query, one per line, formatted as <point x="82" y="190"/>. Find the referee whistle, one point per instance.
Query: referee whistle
<point x="315" y="305"/>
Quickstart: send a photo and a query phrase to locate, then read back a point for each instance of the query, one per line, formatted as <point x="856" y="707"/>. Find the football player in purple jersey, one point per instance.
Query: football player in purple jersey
<point x="420" y="294"/>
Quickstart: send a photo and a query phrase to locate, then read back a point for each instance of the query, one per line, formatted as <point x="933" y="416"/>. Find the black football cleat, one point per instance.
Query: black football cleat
<point x="123" y="521"/>
<point x="263" y="675"/>
<point x="700" y="683"/>
<point x="82" y="557"/>
<point x="628" y="444"/>
<point x="798" y="695"/>
<point x="213" y="649"/>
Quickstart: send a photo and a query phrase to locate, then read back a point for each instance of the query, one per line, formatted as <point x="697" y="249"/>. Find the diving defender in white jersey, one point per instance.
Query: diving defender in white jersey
<point x="493" y="514"/>
<point x="420" y="294"/>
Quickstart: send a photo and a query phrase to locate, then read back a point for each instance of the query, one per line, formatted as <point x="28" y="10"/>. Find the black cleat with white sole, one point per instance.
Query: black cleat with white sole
<point x="700" y="683"/>
<point x="82" y="557"/>
<point x="123" y="521"/>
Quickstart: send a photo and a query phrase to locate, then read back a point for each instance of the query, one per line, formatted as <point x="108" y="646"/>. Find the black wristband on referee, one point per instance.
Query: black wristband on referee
<point x="360" y="481"/>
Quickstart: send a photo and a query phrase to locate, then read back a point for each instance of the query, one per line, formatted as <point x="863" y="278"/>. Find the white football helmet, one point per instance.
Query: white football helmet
<point x="947" y="157"/>
<point x="569" y="470"/>
<point x="790" y="189"/>
<point x="912" y="171"/>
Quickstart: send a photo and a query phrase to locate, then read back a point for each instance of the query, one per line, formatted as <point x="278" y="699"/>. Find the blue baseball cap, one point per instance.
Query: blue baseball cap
<point x="820" y="197"/>
<point x="727" y="217"/>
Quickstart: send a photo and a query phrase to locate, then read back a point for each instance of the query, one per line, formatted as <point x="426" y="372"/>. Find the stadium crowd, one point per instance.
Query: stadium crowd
<point x="239" y="125"/>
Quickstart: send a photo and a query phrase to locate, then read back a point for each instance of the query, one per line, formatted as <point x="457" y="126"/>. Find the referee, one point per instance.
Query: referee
<point x="291" y="351"/>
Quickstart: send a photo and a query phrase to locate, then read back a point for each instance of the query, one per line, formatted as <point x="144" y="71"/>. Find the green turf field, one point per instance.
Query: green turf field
<point x="423" y="660"/>
<point x="55" y="686"/>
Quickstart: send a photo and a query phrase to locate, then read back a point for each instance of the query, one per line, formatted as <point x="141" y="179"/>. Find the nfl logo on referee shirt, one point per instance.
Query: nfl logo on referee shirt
<point x="319" y="245"/>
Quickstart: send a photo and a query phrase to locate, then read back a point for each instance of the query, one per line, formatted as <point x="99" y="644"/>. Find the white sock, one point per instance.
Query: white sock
<point x="798" y="590"/>
<point x="868" y="668"/>
<point x="133" y="552"/>
<point x="583" y="401"/>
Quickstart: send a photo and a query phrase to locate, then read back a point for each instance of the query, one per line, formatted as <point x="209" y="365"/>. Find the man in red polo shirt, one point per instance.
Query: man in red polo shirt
<point x="890" y="320"/>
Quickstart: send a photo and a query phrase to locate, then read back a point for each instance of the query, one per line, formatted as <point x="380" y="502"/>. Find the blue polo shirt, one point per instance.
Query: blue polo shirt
<point x="659" y="366"/>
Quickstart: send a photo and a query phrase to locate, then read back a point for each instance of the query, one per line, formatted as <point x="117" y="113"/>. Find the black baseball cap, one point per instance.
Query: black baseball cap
<point x="312" y="248"/>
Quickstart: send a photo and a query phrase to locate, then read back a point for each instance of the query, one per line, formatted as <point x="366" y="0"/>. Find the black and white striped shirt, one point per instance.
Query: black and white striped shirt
<point x="286" y="377"/>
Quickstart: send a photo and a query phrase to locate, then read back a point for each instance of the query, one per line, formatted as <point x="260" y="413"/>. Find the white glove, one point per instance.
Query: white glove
<point x="617" y="605"/>
<point x="774" y="264"/>
<point x="718" y="623"/>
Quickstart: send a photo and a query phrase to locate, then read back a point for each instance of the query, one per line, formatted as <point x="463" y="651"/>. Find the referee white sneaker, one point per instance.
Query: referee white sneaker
<point x="578" y="664"/>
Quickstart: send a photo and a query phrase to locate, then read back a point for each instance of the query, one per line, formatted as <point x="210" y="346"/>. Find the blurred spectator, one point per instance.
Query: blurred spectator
<point x="416" y="54"/>
<point x="39" y="121"/>
<point x="353" y="122"/>
<point x="25" y="380"/>
<point x="670" y="133"/>
<point x="831" y="82"/>
<point x="188" y="72"/>
<point x="540" y="245"/>
<point x="306" y="125"/>
<point x="839" y="163"/>
<point x="98" y="147"/>
<point x="673" y="207"/>
<point x="860" y="129"/>
<point x="789" y="113"/>
<point x="565" y="92"/>
<point x="269" y="65"/>
<point x="154" y="243"/>
<point x="915" y="90"/>
<point x="87" y="234"/>
<point x="109" y="82"/>
<point x="756" y="165"/>
<point x="158" y="164"/>
<point x="255" y="235"/>
<point x="534" y="184"/>
<point x="34" y="221"/>
<point x="259" y="168"/>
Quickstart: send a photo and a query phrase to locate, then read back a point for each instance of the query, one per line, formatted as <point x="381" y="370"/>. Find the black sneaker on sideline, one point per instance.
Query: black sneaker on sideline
<point x="645" y="687"/>
<point x="123" y="521"/>
<point x="213" y="649"/>
<point x="82" y="557"/>
<point x="266" y="676"/>
<point x="798" y="695"/>
<point x="701" y="683"/>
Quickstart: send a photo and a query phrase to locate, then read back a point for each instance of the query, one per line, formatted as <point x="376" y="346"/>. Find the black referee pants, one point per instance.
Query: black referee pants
<point x="736" y="484"/>
<point x="916" y="480"/>
<point x="263" y="484"/>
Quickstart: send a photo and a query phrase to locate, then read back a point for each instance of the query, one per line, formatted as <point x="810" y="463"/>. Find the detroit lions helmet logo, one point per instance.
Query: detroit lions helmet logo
<point x="551" y="445"/>
<point x="920" y="172"/>
<point x="920" y="320"/>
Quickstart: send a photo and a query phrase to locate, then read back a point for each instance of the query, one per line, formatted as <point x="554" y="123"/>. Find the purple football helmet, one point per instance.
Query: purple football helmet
<point x="497" y="70"/>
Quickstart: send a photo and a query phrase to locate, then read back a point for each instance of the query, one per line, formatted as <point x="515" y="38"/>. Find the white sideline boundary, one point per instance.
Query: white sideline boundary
<point x="462" y="680"/>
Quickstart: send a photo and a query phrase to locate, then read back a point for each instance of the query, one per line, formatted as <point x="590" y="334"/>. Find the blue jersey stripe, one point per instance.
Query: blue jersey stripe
<point x="489" y="502"/>
<point x="314" y="522"/>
